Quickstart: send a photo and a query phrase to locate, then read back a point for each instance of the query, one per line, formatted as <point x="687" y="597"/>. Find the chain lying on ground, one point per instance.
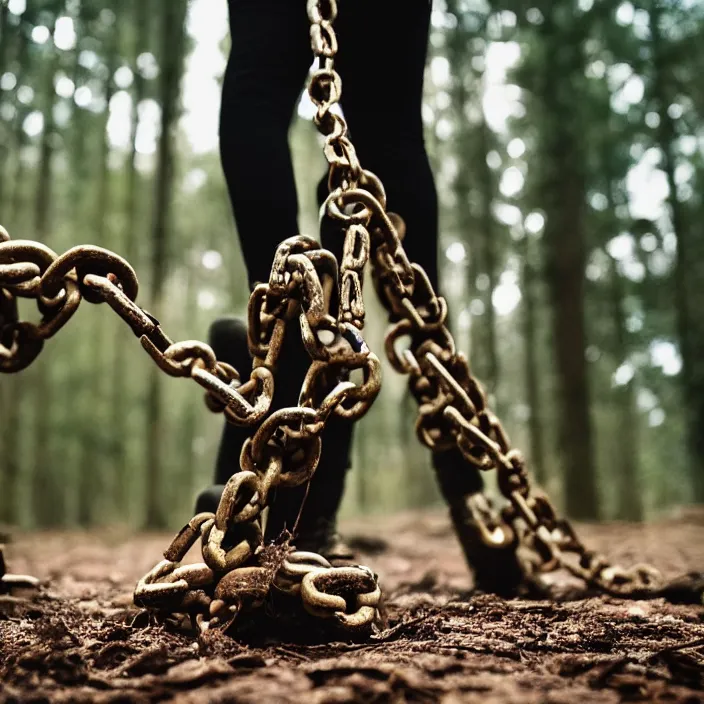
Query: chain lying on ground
<point x="214" y="592"/>
<point x="237" y="573"/>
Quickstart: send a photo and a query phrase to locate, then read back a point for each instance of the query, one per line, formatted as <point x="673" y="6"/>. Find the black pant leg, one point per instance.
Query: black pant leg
<point x="266" y="69"/>
<point x="382" y="57"/>
<point x="269" y="59"/>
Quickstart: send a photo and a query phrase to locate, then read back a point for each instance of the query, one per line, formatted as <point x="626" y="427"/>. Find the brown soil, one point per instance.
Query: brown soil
<point x="75" y="641"/>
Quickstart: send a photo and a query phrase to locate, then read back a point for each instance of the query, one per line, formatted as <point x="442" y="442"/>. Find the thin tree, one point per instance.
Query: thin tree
<point x="172" y="55"/>
<point x="47" y="494"/>
<point x="689" y="330"/>
<point x="121" y="386"/>
<point x="563" y="192"/>
<point x="529" y="320"/>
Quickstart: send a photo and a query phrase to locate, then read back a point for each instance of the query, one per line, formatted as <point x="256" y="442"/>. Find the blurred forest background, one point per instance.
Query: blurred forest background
<point x="568" y="140"/>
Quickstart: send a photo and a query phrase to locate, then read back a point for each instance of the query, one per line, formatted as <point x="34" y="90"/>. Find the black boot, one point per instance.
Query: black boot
<point x="491" y="558"/>
<point x="228" y="338"/>
<point x="314" y="515"/>
<point x="209" y="499"/>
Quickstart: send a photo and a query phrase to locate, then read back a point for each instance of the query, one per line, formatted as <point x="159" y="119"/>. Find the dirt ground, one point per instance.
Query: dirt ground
<point x="76" y="640"/>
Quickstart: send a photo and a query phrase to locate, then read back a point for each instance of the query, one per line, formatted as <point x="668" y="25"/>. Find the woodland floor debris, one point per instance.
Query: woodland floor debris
<point x="75" y="641"/>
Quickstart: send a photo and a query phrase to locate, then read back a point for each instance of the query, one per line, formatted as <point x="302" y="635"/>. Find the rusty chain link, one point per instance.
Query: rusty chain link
<point x="215" y="592"/>
<point x="235" y="575"/>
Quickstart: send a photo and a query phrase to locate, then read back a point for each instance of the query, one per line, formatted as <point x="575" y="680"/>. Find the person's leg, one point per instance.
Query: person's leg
<point x="371" y="102"/>
<point x="382" y="56"/>
<point x="267" y="66"/>
<point x="382" y="98"/>
<point x="266" y="71"/>
<point x="268" y="62"/>
<point x="381" y="60"/>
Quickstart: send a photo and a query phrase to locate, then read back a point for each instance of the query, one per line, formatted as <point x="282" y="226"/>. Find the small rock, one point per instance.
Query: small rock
<point x="637" y="612"/>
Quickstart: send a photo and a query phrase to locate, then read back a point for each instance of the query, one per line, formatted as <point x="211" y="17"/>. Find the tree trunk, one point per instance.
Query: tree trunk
<point x="120" y="379"/>
<point x="191" y="411"/>
<point x="48" y="495"/>
<point x="486" y="179"/>
<point x="10" y="506"/>
<point x="4" y="52"/>
<point x="626" y="464"/>
<point x="458" y="56"/>
<point x="563" y="191"/>
<point x="172" y="49"/>
<point x="13" y="216"/>
<point x="690" y="329"/>
<point x="16" y="199"/>
<point x="80" y="174"/>
<point x="4" y="35"/>
<point x="530" y="341"/>
<point x="94" y="459"/>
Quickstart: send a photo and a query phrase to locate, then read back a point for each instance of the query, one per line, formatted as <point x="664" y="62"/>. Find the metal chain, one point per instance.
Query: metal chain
<point x="454" y="413"/>
<point x="452" y="404"/>
<point x="285" y="449"/>
<point x="215" y="592"/>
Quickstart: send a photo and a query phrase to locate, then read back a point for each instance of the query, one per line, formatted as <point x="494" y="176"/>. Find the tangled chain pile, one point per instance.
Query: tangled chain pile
<point x="283" y="452"/>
